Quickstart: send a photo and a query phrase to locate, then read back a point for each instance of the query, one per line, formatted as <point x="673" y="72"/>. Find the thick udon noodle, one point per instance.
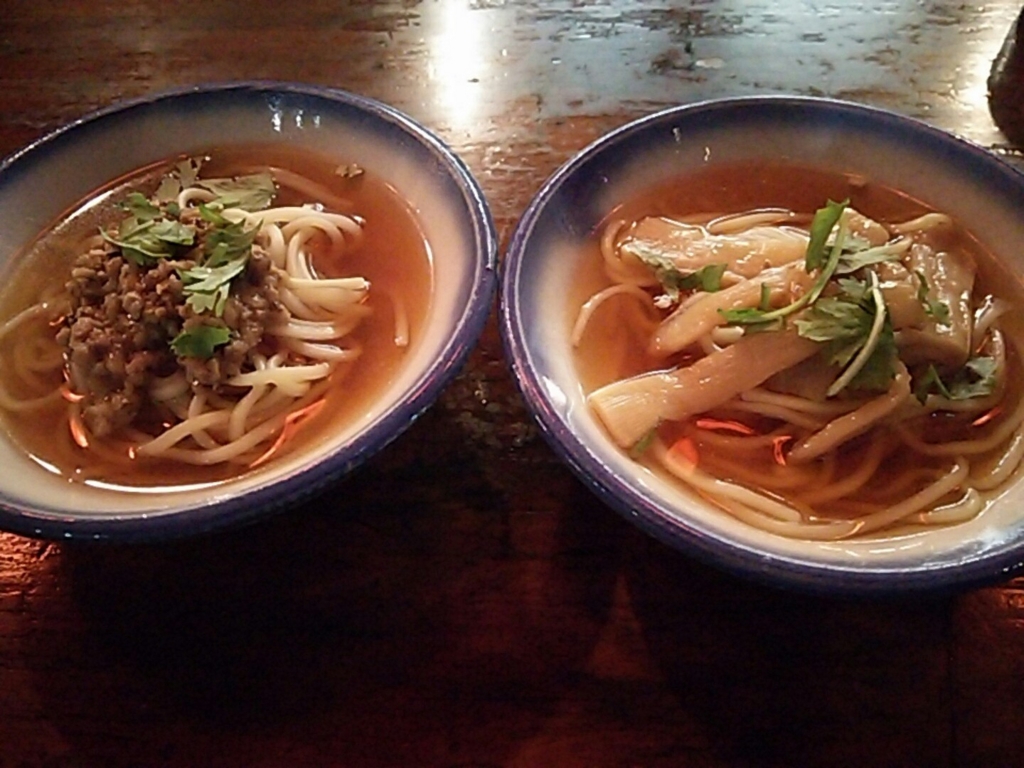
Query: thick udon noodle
<point x="263" y="407"/>
<point x="916" y="464"/>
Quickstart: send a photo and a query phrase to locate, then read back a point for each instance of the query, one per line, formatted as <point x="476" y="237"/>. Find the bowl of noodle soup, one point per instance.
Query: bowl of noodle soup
<point x="784" y="335"/>
<point x="219" y="299"/>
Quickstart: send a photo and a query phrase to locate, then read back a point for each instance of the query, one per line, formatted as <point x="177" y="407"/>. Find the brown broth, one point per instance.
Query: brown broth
<point x="393" y="256"/>
<point x="613" y="349"/>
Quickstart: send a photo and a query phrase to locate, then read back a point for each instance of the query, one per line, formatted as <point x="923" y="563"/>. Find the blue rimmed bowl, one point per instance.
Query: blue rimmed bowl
<point x="43" y="180"/>
<point x="946" y="172"/>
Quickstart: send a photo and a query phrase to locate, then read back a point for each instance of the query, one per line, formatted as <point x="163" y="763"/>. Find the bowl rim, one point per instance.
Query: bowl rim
<point x="307" y="479"/>
<point x="759" y="564"/>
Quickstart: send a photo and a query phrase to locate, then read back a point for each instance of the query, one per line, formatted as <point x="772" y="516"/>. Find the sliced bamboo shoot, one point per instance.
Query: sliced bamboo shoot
<point x="629" y="409"/>
<point x="691" y="247"/>
<point x="692" y="320"/>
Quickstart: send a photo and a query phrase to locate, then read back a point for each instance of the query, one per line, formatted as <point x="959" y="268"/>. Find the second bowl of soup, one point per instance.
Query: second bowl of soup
<point x="784" y="334"/>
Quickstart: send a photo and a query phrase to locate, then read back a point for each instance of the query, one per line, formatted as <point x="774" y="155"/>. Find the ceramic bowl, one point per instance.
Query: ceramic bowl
<point x="942" y="170"/>
<point x="40" y="182"/>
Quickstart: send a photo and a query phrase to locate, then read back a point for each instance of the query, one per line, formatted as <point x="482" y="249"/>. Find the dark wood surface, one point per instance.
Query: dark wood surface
<point x="462" y="600"/>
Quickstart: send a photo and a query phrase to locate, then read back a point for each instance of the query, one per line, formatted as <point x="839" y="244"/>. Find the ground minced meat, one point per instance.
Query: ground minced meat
<point x="253" y="303"/>
<point x="123" y="317"/>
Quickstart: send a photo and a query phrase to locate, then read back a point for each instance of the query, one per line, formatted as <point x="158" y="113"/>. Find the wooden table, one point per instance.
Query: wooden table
<point x="462" y="600"/>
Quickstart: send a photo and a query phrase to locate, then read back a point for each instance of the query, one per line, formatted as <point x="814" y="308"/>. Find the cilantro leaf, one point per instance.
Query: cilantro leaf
<point x="851" y="261"/>
<point x="842" y="323"/>
<point x="833" y="318"/>
<point x="147" y="234"/>
<point x="146" y="241"/>
<point x="212" y="214"/>
<point x="139" y="206"/>
<point x="205" y="279"/>
<point x="976" y="379"/>
<point x="938" y="311"/>
<point x="853" y="289"/>
<point x="210" y="301"/>
<point x="753" y="320"/>
<point x="188" y="171"/>
<point x="931" y="382"/>
<point x="227" y="243"/>
<point x="135" y="245"/>
<point x="879" y="369"/>
<point x="673" y="280"/>
<point x="200" y="341"/>
<point x="227" y="247"/>
<point x="207" y="288"/>
<point x="168" y="189"/>
<point x="707" y="278"/>
<point x="859" y="334"/>
<point x="830" y="216"/>
<point x="824" y="221"/>
<point x="250" y="193"/>
<point x="171" y="185"/>
<point x="173" y="232"/>
<point x="744" y="315"/>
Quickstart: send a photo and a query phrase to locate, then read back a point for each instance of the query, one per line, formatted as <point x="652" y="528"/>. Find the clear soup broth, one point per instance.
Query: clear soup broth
<point x="392" y="255"/>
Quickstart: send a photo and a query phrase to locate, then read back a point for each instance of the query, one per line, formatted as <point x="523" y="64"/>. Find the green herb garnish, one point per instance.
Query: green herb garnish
<point x="184" y="175"/>
<point x="860" y="257"/>
<point x="931" y="382"/>
<point x="212" y="213"/>
<point x="152" y="231"/>
<point x="145" y="241"/>
<point x="188" y="171"/>
<point x="708" y="278"/>
<point x="976" y="379"/>
<point x="859" y="334"/>
<point x="825" y="219"/>
<point x="673" y="280"/>
<point x="139" y="206"/>
<point x="168" y="190"/>
<point x="228" y="243"/>
<point x="201" y="341"/>
<point x="207" y="288"/>
<point x="250" y="193"/>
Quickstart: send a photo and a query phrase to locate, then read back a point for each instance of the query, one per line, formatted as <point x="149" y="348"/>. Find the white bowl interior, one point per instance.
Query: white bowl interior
<point x="49" y="179"/>
<point x="949" y="175"/>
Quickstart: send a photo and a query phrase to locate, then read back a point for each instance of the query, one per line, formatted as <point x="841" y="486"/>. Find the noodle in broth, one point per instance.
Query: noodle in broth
<point x="816" y="371"/>
<point x="312" y="277"/>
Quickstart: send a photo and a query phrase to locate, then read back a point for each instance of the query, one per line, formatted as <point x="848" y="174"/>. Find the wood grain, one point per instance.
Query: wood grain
<point x="462" y="600"/>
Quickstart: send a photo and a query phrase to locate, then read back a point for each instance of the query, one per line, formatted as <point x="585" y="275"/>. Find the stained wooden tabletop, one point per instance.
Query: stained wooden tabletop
<point x="462" y="600"/>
